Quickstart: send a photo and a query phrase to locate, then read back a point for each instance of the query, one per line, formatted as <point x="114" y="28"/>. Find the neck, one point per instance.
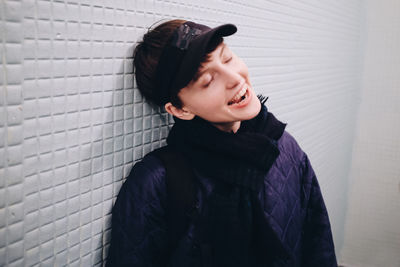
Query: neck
<point x="228" y="127"/>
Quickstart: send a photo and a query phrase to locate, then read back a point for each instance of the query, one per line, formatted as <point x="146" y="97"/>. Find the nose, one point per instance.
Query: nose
<point x="233" y="77"/>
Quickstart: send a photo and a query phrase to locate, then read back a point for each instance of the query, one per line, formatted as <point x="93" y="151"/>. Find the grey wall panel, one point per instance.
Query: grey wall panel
<point x="73" y="123"/>
<point x="372" y="235"/>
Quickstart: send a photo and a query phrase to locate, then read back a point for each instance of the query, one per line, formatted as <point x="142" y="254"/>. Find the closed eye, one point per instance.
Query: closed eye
<point x="208" y="83"/>
<point x="228" y="60"/>
<point x="206" y="79"/>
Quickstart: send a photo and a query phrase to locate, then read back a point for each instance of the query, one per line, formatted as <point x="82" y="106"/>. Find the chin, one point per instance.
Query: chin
<point x="253" y="108"/>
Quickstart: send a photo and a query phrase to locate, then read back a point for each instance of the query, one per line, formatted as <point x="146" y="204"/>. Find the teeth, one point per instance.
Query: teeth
<point x="239" y="94"/>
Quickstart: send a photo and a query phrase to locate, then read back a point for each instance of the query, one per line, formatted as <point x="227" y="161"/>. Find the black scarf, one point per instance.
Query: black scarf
<point x="237" y="234"/>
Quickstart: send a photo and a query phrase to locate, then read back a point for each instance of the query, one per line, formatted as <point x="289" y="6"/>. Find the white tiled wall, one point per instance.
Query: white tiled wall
<point x="372" y="236"/>
<point x="73" y="124"/>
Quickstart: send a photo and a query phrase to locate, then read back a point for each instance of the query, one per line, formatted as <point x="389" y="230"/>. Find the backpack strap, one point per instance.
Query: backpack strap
<point x="180" y="182"/>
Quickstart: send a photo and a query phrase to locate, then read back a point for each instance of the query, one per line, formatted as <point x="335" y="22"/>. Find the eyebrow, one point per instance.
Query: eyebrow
<point x="198" y="75"/>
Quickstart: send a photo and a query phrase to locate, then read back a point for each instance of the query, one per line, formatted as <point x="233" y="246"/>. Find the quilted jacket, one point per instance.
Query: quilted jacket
<point x="291" y="200"/>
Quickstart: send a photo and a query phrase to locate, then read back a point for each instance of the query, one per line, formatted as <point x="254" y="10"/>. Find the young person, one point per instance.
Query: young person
<point x="257" y="201"/>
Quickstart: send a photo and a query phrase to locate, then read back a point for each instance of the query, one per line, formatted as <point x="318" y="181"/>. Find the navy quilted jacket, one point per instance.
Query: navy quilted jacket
<point x="291" y="199"/>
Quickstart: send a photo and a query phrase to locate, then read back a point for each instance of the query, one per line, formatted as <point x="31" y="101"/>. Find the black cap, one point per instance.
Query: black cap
<point x="181" y="58"/>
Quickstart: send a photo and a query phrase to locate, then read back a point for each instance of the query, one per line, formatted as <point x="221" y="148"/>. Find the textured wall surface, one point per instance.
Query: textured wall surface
<point x="73" y="124"/>
<point x="372" y="236"/>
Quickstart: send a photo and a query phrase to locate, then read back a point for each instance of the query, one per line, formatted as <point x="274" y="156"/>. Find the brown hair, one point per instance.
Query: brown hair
<point x="147" y="54"/>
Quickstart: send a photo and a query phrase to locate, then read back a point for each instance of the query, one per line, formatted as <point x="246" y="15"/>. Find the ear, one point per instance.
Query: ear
<point x="181" y="113"/>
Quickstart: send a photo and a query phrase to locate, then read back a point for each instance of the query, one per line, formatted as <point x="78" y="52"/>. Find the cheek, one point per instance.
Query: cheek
<point x="242" y="68"/>
<point x="211" y="105"/>
<point x="201" y="101"/>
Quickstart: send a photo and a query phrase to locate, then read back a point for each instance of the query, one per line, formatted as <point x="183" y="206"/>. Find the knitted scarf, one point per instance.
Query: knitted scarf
<point x="235" y="228"/>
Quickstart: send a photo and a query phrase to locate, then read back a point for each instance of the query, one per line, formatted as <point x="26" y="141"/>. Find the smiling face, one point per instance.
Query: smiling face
<point x="221" y="93"/>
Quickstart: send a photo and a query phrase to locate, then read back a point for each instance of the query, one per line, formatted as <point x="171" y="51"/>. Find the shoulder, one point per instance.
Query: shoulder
<point x="146" y="180"/>
<point x="290" y="149"/>
<point x="150" y="170"/>
<point x="288" y="165"/>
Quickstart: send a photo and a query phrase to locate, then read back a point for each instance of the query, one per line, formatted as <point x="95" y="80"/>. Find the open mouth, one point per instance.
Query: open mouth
<point x="240" y="97"/>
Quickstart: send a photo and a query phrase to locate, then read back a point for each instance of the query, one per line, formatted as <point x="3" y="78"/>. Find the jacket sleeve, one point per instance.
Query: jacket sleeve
<point x="317" y="246"/>
<point x="138" y="233"/>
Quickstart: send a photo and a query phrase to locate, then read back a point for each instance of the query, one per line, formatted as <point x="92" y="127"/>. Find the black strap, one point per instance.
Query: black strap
<point x="180" y="183"/>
